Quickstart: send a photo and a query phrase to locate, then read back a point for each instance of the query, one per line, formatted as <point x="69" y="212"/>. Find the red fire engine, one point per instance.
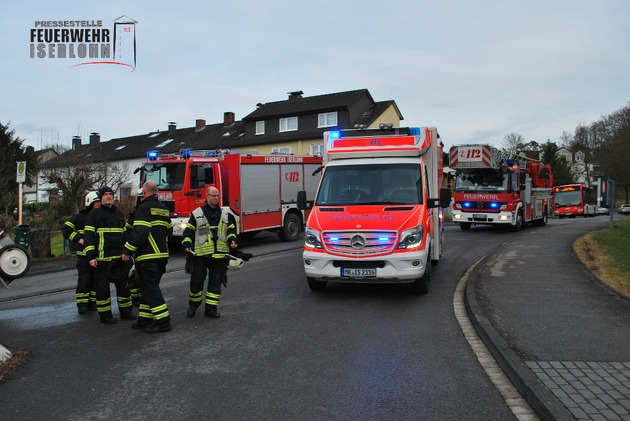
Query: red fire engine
<point x="260" y="190"/>
<point x="493" y="188"/>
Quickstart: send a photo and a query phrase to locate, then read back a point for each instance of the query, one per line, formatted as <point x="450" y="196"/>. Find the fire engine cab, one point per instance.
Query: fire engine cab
<point x="494" y="188"/>
<point x="260" y="190"/>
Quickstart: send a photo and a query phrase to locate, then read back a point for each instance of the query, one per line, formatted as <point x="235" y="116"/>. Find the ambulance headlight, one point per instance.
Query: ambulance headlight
<point x="312" y="238"/>
<point x="411" y="238"/>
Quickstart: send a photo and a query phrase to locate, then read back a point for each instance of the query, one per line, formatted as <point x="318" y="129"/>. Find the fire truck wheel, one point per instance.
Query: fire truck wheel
<point x="542" y="221"/>
<point x="519" y="222"/>
<point x="421" y="285"/>
<point x="465" y="226"/>
<point x="291" y="228"/>
<point x="14" y="261"/>
<point x="316" y="285"/>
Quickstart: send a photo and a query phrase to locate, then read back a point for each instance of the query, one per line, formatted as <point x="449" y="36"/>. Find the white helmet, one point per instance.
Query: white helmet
<point x="235" y="263"/>
<point x="91" y="197"/>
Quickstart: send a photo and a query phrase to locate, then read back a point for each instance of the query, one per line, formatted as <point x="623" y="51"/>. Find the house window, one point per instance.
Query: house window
<point x="281" y="150"/>
<point x="317" y="149"/>
<point x="327" y="119"/>
<point x="260" y="127"/>
<point x="288" y="124"/>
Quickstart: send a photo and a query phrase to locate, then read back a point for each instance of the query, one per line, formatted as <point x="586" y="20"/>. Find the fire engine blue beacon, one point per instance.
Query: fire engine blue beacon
<point x="334" y="135"/>
<point x="153" y="155"/>
<point x="414" y="131"/>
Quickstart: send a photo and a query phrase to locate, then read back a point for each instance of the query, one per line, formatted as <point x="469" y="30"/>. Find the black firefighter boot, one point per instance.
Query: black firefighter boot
<point x="191" y="311"/>
<point x="211" y="311"/>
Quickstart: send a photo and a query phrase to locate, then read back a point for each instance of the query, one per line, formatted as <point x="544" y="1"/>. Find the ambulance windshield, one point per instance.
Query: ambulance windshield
<point x="167" y="176"/>
<point x="372" y="184"/>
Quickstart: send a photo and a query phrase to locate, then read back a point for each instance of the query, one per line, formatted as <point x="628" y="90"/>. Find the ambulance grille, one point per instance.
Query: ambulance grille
<point x="361" y="243"/>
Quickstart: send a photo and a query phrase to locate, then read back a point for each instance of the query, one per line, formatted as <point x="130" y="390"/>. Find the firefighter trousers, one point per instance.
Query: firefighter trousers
<point x="153" y="308"/>
<point x="103" y="295"/>
<point x="86" y="285"/>
<point x="212" y="269"/>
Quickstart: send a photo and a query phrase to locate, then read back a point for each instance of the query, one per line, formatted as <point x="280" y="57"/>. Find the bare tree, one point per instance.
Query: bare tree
<point x="566" y="140"/>
<point x="512" y="142"/>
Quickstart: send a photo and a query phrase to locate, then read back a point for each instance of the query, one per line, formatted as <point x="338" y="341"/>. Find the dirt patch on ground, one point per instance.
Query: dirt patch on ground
<point x="18" y="359"/>
<point x="598" y="262"/>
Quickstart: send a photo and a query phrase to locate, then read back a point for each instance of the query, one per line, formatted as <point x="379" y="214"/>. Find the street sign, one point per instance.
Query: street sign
<point x="21" y="171"/>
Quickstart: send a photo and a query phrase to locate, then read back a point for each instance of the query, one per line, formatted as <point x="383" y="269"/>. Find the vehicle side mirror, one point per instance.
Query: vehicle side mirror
<point x="302" y="203"/>
<point x="445" y="197"/>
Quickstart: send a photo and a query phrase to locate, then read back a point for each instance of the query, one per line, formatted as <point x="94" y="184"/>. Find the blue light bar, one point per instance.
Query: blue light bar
<point x="153" y="155"/>
<point x="414" y="131"/>
<point x="334" y="135"/>
<point x="186" y="153"/>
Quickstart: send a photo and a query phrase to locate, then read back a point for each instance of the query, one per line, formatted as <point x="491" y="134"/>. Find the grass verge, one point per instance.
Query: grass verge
<point x="605" y="253"/>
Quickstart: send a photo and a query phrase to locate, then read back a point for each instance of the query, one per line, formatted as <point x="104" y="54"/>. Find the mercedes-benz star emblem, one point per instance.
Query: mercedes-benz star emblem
<point x="357" y="242"/>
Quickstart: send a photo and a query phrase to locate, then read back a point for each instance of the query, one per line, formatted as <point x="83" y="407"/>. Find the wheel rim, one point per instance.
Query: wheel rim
<point x="13" y="262"/>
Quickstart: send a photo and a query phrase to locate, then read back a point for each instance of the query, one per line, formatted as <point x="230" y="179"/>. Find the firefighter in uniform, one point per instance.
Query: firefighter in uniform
<point x="148" y="242"/>
<point x="73" y="230"/>
<point x="210" y="234"/>
<point x="104" y="241"/>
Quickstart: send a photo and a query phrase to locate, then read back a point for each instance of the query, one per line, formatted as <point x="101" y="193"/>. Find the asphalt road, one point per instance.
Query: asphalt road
<point x="279" y="351"/>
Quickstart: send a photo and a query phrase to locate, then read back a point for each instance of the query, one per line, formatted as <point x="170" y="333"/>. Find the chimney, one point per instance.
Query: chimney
<point x="200" y="124"/>
<point x="95" y="139"/>
<point x="228" y="118"/>
<point x="172" y="126"/>
<point x="76" y="142"/>
<point x="295" y="95"/>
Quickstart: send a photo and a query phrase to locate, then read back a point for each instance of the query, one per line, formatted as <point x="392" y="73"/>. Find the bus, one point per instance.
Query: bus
<point x="573" y="200"/>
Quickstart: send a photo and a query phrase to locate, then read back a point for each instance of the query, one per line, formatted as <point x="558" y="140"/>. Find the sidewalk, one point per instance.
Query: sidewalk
<point x="559" y="334"/>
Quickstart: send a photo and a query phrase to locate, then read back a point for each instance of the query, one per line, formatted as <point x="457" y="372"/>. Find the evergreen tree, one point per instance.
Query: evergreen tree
<point x="560" y="168"/>
<point x="12" y="151"/>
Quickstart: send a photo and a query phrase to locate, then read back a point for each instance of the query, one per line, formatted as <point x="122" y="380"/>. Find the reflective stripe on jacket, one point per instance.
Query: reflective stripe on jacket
<point x="148" y="239"/>
<point x="209" y="231"/>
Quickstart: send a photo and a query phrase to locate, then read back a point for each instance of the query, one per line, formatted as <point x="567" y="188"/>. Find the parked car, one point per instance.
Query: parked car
<point x="603" y="211"/>
<point x="624" y="209"/>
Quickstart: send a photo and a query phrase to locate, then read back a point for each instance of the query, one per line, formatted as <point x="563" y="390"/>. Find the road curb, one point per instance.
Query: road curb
<point x="535" y="393"/>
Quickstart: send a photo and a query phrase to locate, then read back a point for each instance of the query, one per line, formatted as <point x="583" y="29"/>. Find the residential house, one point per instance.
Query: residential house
<point x="584" y="170"/>
<point x="293" y="126"/>
<point x="29" y="193"/>
<point x="297" y="124"/>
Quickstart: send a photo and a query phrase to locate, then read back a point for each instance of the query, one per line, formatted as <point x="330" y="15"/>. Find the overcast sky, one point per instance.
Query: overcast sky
<point x="475" y="69"/>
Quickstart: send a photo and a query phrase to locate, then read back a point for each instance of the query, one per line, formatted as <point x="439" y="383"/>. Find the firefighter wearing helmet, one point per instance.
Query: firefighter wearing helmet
<point x="73" y="230"/>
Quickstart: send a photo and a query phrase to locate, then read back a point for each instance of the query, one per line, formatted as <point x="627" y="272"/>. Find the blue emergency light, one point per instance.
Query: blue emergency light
<point x="334" y="135"/>
<point x="153" y="155"/>
<point x="414" y="131"/>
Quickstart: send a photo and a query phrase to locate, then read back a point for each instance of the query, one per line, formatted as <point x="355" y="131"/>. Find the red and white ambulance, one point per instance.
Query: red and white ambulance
<point x="376" y="217"/>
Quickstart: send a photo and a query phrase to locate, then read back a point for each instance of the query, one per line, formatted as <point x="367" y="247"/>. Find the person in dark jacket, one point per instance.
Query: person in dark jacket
<point x="73" y="231"/>
<point x="210" y="233"/>
<point x="147" y="242"/>
<point x="104" y="241"/>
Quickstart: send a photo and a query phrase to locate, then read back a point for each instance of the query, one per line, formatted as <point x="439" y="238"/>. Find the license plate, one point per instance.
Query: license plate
<point x="358" y="273"/>
<point x="479" y="216"/>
